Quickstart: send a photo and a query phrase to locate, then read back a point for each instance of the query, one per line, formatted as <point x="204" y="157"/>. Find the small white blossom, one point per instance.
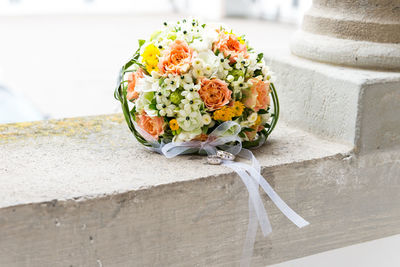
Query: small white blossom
<point x="230" y="78"/>
<point x="197" y="63"/>
<point x="190" y="94"/>
<point x="253" y="117"/>
<point x="246" y="124"/>
<point x="189" y="120"/>
<point x="166" y="108"/>
<point x="191" y="104"/>
<point x="146" y="84"/>
<point x="206" y="119"/>
<point x="172" y="82"/>
<point x="241" y="62"/>
<point x="240" y="84"/>
<point x="197" y="73"/>
<point x="224" y="63"/>
<point x="265" y="118"/>
<point x="187" y="78"/>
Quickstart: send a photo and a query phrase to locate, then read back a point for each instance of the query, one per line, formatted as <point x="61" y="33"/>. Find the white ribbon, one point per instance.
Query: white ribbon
<point x="226" y="137"/>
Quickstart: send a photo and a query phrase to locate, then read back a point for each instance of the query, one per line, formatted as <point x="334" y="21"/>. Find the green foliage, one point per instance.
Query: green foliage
<point x="260" y="57"/>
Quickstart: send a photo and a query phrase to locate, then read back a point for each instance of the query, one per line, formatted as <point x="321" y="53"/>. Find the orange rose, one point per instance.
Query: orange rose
<point x="258" y="96"/>
<point x="230" y="45"/>
<point x="176" y="58"/>
<point x="132" y="78"/>
<point x="152" y="125"/>
<point x="215" y="93"/>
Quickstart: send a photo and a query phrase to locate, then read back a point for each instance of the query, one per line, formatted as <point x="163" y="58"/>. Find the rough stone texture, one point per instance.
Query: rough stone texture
<point x="354" y="106"/>
<point x="93" y="199"/>
<point x="356" y="33"/>
<point x="93" y="156"/>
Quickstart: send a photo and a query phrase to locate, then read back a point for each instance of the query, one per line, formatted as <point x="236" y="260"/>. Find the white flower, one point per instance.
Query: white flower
<point x="197" y="73"/>
<point x="166" y="108"/>
<point x="190" y="91"/>
<point x="197" y="63"/>
<point x="230" y="78"/>
<point x="186" y="136"/>
<point x="240" y="84"/>
<point x="189" y="86"/>
<point x="241" y="62"/>
<point x="224" y="63"/>
<point x="189" y="120"/>
<point x="200" y="45"/>
<point x="265" y="118"/>
<point x="253" y="117"/>
<point x="187" y="78"/>
<point x="206" y="119"/>
<point x="246" y="124"/>
<point x="191" y="104"/>
<point x="155" y="74"/>
<point x="146" y="84"/>
<point x="223" y="66"/>
<point x="172" y="82"/>
<point x="270" y="77"/>
<point x="161" y="95"/>
<point x="209" y="58"/>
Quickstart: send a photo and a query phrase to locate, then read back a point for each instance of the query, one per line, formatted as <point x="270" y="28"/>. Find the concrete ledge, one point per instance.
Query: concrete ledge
<point x="99" y="199"/>
<point x="94" y="156"/>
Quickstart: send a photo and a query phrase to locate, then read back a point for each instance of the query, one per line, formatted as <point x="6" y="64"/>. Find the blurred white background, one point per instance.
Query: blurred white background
<point x="61" y="59"/>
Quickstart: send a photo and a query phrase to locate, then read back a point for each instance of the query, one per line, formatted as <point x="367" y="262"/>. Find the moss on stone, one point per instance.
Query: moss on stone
<point x="79" y="127"/>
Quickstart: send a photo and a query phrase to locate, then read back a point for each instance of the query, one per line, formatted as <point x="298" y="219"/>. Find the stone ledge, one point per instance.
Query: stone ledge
<point x="72" y="200"/>
<point x="87" y="157"/>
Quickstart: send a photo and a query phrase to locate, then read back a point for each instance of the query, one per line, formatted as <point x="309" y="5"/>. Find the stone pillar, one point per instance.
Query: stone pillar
<point x="359" y="33"/>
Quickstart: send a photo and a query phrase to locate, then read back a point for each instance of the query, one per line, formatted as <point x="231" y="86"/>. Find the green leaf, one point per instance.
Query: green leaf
<point x="141" y="42"/>
<point x="260" y="57"/>
<point x="257" y="72"/>
<point x="203" y="25"/>
<point x="246" y="129"/>
<point x="153" y="104"/>
<point x="217" y="52"/>
<point x="262" y="111"/>
<point x="161" y="81"/>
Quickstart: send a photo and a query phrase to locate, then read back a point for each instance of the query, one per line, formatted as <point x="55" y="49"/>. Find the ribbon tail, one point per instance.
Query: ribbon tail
<point x="289" y="213"/>
<point x="254" y="195"/>
<point x="280" y="204"/>
<point x="250" y="237"/>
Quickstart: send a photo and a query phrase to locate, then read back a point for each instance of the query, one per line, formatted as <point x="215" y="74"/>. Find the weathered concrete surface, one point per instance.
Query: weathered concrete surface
<point x="353" y="33"/>
<point x="92" y="156"/>
<point x="354" y="106"/>
<point x="93" y="199"/>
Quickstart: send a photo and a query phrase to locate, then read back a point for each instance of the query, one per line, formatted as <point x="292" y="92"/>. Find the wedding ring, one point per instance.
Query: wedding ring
<point x="225" y="155"/>
<point x="214" y="160"/>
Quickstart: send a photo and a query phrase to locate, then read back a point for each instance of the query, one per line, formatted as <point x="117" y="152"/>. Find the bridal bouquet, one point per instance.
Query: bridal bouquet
<point x="196" y="87"/>
<point x="189" y="78"/>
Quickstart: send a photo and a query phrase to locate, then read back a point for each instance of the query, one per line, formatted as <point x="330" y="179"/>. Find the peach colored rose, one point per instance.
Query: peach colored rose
<point x="230" y="45"/>
<point x="176" y="58"/>
<point x="258" y="96"/>
<point x="215" y="93"/>
<point x="132" y="78"/>
<point x="252" y="134"/>
<point x="152" y="125"/>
